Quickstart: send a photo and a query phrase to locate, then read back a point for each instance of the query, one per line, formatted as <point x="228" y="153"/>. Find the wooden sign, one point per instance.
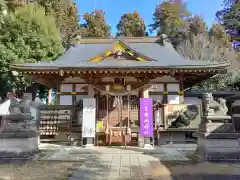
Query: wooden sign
<point x="116" y="136"/>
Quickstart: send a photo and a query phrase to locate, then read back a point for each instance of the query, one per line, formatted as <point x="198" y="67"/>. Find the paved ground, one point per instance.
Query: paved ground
<point x="165" y="163"/>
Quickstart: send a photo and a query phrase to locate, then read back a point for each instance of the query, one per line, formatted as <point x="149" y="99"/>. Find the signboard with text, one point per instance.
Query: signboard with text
<point x="89" y="117"/>
<point x="146" y="117"/>
<point x="182" y="116"/>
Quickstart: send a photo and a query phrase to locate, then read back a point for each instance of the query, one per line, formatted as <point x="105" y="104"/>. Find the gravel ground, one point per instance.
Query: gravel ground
<point x="36" y="170"/>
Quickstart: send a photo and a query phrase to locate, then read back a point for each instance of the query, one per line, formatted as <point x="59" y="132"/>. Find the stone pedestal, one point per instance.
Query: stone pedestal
<point x="140" y="141"/>
<point x="217" y="140"/>
<point x="18" y="145"/>
<point x="18" y="138"/>
<point x="147" y="143"/>
<point x="89" y="142"/>
<point x="218" y="146"/>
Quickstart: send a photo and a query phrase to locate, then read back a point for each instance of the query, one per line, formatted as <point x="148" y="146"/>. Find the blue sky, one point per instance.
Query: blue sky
<point x="115" y="8"/>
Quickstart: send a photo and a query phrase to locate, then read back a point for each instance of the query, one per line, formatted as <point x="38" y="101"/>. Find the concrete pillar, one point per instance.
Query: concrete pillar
<point x="90" y="140"/>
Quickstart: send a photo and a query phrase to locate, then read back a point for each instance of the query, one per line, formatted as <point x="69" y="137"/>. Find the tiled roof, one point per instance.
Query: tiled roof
<point x="162" y="56"/>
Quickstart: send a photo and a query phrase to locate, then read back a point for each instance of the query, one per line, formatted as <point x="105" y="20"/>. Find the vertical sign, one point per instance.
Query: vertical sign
<point x="158" y="116"/>
<point x="146" y="117"/>
<point x="89" y="117"/>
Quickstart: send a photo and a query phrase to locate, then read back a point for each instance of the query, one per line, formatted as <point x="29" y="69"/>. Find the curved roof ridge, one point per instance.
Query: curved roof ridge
<point x="163" y="54"/>
<point x="137" y="52"/>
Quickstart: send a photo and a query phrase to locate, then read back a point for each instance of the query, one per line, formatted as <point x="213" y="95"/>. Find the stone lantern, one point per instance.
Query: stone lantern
<point x="217" y="139"/>
<point x="17" y="139"/>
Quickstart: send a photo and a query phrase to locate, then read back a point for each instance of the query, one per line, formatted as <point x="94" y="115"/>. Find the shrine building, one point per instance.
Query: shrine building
<point x="117" y="72"/>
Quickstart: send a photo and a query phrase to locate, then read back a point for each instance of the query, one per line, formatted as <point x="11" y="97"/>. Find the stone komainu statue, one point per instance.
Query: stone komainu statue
<point x="18" y="117"/>
<point x="15" y="106"/>
<point x="19" y="107"/>
<point x="212" y="107"/>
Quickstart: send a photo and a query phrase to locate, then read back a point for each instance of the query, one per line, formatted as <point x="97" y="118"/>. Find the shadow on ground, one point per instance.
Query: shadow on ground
<point x="190" y="169"/>
<point x="94" y="166"/>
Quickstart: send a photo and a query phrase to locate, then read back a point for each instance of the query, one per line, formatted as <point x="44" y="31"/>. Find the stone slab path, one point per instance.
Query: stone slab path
<point x="167" y="162"/>
<point x="75" y="163"/>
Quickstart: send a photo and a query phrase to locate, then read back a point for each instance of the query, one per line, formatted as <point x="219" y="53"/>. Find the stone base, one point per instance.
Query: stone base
<point x="215" y="118"/>
<point x="148" y="146"/>
<point x="140" y="141"/>
<point x="14" y="147"/>
<point x="218" y="146"/>
<point x="89" y="146"/>
<point x="216" y="127"/>
<point x="89" y="142"/>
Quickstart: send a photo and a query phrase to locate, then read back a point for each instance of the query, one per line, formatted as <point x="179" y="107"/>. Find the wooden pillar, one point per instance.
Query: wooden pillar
<point x="90" y="91"/>
<point x="74" y="98"/>
<point x="107" y="123"/>
<point x="58" y="96"/>
<point x="49" y="96"/>
<point x="145" y="93"/>
<point x="129" y="106"/>
<point x="165" y="97"/>
<point x="181" y="89"/>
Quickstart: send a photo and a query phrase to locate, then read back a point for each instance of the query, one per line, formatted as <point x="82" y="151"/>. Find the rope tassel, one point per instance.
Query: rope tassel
<point x="122" y="94"/>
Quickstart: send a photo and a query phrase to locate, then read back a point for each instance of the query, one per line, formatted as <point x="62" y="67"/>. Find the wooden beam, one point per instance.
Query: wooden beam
<point x="49" y="81"/>
<point x="45" y="82"/>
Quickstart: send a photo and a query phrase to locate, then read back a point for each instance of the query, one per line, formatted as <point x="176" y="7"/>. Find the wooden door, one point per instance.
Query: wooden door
<point x="119" y="115"/>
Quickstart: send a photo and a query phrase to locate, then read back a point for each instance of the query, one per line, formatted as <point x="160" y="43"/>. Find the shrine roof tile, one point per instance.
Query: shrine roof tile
<point x="163" y="57"/>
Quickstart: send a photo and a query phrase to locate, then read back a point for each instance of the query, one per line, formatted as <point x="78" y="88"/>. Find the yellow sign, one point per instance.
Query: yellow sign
<point x="99" y="125"/>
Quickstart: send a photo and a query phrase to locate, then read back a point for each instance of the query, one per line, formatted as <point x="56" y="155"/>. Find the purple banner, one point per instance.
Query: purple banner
<point x="146" y="117"/>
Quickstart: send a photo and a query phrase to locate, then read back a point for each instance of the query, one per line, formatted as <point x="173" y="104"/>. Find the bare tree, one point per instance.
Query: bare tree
<point x="205" y="48"/>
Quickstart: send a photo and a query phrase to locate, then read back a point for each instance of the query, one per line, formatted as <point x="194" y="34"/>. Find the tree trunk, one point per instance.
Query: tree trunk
<point x="49" y="98"/>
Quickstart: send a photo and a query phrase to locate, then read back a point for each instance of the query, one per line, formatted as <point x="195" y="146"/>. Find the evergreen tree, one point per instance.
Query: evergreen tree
<point x="95" y="25"/>
<point x="169" y="18"/>
<point x="229" y="17"/>
<point x="131" y="24"/>
<point x="26" y="36"/>
<point x="66" y="17"/>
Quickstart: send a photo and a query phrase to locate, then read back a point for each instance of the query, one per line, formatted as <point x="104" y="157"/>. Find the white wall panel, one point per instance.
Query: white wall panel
<point x="156" y="88"/>
<point x="66" y="88"/>
<point x="65" y="100"/>
<point x="173" y="87"/>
